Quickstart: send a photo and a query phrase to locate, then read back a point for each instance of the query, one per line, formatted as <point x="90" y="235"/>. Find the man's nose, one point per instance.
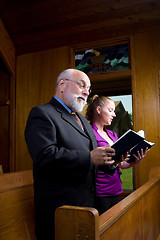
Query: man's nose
<point x="86" y="91"/>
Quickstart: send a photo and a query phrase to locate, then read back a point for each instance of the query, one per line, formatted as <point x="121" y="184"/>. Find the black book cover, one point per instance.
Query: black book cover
<point x="142" y="145"/>
<point x="127" y="141"/>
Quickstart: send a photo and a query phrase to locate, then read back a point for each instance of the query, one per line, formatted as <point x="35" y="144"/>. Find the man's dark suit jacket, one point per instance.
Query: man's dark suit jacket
<point x="62" y="168"/>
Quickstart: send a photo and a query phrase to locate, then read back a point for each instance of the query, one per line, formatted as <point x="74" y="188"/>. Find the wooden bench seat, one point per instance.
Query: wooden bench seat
<point x="16" y="206"/>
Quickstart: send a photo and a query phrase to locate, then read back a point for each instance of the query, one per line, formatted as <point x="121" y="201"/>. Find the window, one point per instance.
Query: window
<point x="105" y="59"/>
<point x="108" y="68"/>
<point x="120" y="125"/>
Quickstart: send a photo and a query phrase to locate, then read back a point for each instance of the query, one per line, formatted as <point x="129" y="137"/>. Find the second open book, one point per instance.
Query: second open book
<point x="131" y="140"/>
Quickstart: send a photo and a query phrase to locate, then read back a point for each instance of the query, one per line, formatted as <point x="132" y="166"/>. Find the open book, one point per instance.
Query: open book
<point x="131" y="140"/>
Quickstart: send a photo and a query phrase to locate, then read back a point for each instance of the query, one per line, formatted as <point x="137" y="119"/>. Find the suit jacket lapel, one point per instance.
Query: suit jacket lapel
<point x="67" y="116"/>
<point x="89" y="131"/>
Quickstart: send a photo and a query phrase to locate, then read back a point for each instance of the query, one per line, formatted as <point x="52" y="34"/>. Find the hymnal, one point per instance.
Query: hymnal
<point x="131" y="140"/>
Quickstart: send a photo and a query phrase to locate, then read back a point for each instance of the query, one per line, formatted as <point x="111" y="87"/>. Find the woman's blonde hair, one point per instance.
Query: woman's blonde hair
<point x="94" y="102"/>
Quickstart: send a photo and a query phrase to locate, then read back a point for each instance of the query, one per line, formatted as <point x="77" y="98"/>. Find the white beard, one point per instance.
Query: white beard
<point x="76" y="105"/>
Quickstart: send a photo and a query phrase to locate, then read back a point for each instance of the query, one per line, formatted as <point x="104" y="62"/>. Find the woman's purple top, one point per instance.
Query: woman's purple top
<point x="107" y="185"/>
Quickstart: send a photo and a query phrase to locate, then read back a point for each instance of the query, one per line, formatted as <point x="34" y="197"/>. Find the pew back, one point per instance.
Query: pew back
<point x="135" y="217"/>
<point x="16" y="206"/>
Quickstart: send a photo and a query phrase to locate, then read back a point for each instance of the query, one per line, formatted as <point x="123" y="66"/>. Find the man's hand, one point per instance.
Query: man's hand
<point x="103" y="156"/>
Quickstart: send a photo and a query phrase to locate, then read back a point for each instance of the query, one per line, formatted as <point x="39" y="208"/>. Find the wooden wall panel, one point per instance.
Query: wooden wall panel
<point x="7" y="49"/>
<point x="145" y="88"/>
<point x="36" y="80"/>
<point x="8" y="55"/>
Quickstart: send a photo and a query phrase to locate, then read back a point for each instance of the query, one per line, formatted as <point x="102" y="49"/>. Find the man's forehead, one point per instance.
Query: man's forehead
<point x="83" y="77"/>
<point x="87" y="82"/>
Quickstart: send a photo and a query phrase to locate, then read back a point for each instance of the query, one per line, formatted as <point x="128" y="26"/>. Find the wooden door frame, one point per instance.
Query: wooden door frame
<point x="8" y="55"/>
<point x="122" y="75"/>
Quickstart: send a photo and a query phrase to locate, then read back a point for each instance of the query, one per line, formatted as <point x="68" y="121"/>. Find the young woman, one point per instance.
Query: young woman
<point x="100" y="112"/>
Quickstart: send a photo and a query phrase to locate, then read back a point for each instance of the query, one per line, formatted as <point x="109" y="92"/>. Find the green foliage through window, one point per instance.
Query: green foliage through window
<point x="127" y="179"/>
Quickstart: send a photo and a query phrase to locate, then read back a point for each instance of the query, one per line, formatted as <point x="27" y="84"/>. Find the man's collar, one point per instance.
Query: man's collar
<point x="63" y="104"/>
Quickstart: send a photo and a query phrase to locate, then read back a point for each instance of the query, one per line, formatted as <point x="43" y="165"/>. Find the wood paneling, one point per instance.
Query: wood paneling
<point x="7" y="53"/>
<point x="111" y="83"/>
<point x="4" y="138"/>
<point x="81" y="223"/>
<point x="135" y="217"/>
<point x="7" y="49"/>
<point x="46" y="24"/>
<point x="36" y="77"/>
<point x="4" y="117"/>
<point x="13" y="180"/>
<point x="144" y="82"/>
<point x="36" y="81"/>
<point x="145" y="71"/>
<point x="40" y="25"/>
<point x="17" y="206"/>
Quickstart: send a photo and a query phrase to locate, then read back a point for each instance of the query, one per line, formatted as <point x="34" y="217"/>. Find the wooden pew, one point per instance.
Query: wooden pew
<point x="137" y="217"/>
<point x="154" y="171"/>
<point x="16" y="206"/>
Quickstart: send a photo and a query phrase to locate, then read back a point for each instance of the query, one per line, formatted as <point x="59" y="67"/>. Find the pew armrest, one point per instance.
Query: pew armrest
<point x="76" y="223"/>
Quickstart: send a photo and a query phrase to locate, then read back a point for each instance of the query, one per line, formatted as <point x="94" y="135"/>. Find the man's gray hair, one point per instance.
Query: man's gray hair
<point x="65" y="74"/>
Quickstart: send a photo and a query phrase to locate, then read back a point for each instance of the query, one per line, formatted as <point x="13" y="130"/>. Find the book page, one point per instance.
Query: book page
<point x="141" y="133"/>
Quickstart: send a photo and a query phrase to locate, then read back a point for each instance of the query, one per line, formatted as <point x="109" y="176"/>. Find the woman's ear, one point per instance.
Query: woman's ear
<point x="98" y="109"/>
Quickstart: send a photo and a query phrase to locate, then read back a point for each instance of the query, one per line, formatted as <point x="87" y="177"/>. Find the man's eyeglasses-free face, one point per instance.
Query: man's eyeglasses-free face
<point x="81" y="84"/>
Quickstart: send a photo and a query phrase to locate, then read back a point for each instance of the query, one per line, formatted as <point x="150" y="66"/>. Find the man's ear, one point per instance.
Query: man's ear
<point x="61" y="82"/>
<point x="61" y="85"/>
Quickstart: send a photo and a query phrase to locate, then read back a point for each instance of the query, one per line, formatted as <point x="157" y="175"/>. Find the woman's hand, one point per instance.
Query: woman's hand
<point x="140" y="155"/>
<point x="138" y="158"/>
<point x="123" y="158"/>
